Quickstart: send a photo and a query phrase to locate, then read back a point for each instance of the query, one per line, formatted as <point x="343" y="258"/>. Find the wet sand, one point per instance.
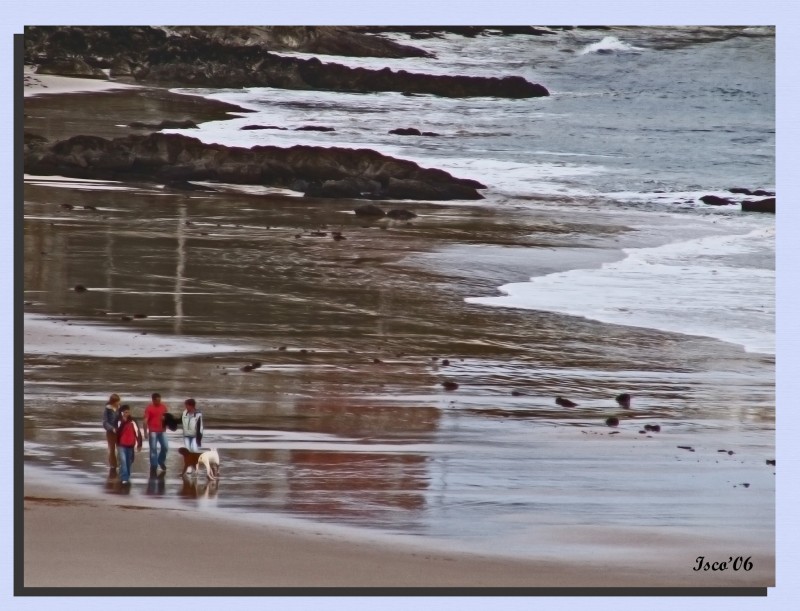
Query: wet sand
<point x="379" y="319"/>
<point x="62" y="527"/>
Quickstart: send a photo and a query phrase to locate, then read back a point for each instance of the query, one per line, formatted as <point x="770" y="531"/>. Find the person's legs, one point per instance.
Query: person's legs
<point x="190" y="443"/>
<point x="162" y="455"/>
<point x="111" y="440"/>
<point x="125" y="460"/>
<point x="151" y="444"/>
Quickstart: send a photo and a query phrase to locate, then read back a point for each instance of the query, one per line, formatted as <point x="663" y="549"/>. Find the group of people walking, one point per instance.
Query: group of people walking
<point x="125" y="437"/>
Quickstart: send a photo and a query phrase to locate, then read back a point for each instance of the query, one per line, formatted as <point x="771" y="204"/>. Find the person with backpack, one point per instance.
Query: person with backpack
<point x="129" y="436"/>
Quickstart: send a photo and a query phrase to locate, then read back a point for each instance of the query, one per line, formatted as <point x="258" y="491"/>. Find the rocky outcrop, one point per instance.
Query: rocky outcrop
<point x="109" y="42"/>
<point x="72" y="66"/>
<point x="317" y="171"/>
<point x="762" y="205"/>
<point x="236" y="57"/>
<point x="245" y="67"/>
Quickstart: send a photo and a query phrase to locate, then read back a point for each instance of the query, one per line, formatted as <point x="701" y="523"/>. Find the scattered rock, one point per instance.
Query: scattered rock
<point x="565" y="402"/>
<point x="771" y="462"/>
<point x="253" y="127"/>
<point x="714" y="200"/>
<point x="656" y="428"/>
<point x="314" y="128"/>
<point x="246" y="368"/>
<point x="449" y="385"/>
<point x="690" y="448"/>
<point x="761" y="205"/>
<point x="740" y="190"/>
<point x="126" y="318"/>
<point x="369" y="210"/>
<point x="401" y="214"/>
<point x="79" y="288"/>
<point x="445" y="361"/>
<point x="516" y="393"/>
<point x="406" y="131"/>
<point x="624" y="400"/>
<point x="763" y="193"/>
<point x="612" y="421"/>
<point x="337" y="236"/>
<point x="140" y="315"/>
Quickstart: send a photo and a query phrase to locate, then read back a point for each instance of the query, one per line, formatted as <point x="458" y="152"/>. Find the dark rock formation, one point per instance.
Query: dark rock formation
<point x="254" y="127"/>
<point x="170" y="157"/>
<point x="406" y="131"/>
<point x="714" y="200"/>
<point x="240" y="57"/>
<point x="131" y="41"/>
<point x="314" y="128"/>
<point x="565" y="402"/>
<point x="411" y="131"/>
<point x="612" y="421"/>
<point x="762" y="205"/>
<point x="449" y="385"/>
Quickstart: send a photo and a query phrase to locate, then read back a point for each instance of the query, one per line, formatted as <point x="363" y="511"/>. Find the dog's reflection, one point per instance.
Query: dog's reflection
<point x="192" y="489"/>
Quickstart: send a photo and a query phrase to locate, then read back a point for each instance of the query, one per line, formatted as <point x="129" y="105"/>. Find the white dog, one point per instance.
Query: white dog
<point x="210" y="460"/>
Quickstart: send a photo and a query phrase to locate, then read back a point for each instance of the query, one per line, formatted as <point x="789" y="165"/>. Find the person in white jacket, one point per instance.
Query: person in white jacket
<point x="192" y="422"/>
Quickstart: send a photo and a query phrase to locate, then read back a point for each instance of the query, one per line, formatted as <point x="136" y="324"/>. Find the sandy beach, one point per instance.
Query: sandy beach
<point x="72" y="534"/>
<point x="62" y="526"/>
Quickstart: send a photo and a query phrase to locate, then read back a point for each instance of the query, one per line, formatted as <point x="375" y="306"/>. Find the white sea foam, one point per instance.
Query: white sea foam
<point x="697" y="287"/>
<point x="45" y="335"/>
<point x="609" y="44"/>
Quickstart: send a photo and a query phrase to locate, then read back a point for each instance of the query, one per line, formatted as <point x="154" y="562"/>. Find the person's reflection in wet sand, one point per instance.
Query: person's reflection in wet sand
<point x="113" y="486"/>
<point x="156" y="485"/>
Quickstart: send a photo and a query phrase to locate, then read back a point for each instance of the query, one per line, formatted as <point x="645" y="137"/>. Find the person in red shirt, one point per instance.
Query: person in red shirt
<point x="155" y="430"/>
<point x="128" y="437"/>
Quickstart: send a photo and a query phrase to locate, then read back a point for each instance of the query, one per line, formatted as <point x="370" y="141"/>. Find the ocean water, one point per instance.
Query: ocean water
<point x="627" y="126"/>
<point x="590" y="269"/>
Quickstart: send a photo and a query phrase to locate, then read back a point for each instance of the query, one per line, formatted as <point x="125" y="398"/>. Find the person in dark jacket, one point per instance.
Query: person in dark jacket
<point x="129" y="436"/>
<point x="110" y="418"/>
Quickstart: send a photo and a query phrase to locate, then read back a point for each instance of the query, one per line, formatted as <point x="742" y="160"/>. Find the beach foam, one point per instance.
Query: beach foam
<point x="689" y="287"/>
